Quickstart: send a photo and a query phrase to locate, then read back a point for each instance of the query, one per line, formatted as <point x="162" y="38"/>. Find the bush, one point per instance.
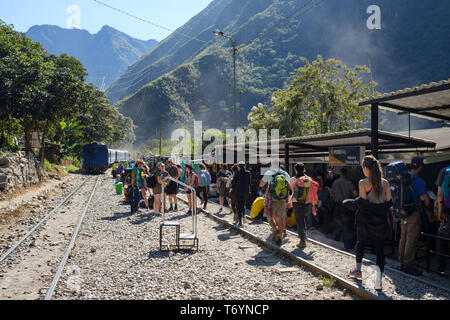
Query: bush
<point x="47" y="166"/>
<point x="76" y="163"/>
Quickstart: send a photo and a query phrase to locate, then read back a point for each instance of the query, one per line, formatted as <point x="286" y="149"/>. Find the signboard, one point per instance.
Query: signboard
<point x="346" y="156"/>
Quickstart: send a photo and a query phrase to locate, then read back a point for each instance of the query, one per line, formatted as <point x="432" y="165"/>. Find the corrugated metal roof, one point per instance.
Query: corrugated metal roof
<point x="361" y="137"/>
<point x="430" y="101"/>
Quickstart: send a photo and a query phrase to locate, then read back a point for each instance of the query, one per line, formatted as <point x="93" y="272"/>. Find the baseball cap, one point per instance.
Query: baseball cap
<point x="416" y="162"/>
<point x="241" y="163"/>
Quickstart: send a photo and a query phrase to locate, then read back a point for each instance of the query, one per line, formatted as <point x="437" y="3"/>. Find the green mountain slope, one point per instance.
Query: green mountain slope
<point x="107" y="53"/>
<point x="187" y="79"/>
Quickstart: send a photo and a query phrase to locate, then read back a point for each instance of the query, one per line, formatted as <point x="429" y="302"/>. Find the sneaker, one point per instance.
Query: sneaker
<point x="189" y="212"/>
<point x="378" y="285"/>
<point x="275" y="233"/>
<point x="176" y="208"/>
<point x="413" y="271"/>
<point x="301" y="244"/>
<point x="235" y="219"/>
<point x="166" y="211"/>
<point x="204" y="207"/>
<point x="357" y="274"/>
<point x="158" y="214"/>
<point x="170" y="209"/>
<point x="278" y="240"/>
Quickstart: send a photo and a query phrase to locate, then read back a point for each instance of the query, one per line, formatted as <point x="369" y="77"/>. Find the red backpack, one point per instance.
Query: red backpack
<point x="195" y="180"/>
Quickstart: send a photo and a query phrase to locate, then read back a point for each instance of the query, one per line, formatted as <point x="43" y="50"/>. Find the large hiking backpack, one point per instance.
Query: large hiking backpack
<point x="202" y="179"/>
<point x="151" y="181"/>
<point x="126" y="176"/>
<point x="445" y="187"/>
<point x="401" y="189"/>
<point x="301" y="191"/>
<point x="279" y="187"/>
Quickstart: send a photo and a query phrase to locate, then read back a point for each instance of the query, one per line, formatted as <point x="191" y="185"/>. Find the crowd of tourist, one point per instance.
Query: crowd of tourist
<point x="357" y="216"/>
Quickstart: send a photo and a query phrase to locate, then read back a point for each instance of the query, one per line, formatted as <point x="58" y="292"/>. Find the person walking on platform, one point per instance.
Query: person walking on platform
<point x="411" y="226"/>
<point x="222" y="178"/>
<point x="277" y="191"/>
<point x="341" y="190"/>
<point x="135" y="194"/>
<point x="241" y="190"/>
<point x="372" y="226"/>
<point x="157" y="190"/>
<point x="203" y="182"/>
<point x="232" y="194"/>
<point x="190" y="180"/>
<point x="172" y="187"/>
<point x="300" y="183"/>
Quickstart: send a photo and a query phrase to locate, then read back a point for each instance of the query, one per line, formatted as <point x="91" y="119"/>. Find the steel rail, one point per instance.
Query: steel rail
<point x="10" y="250"/>
<point x="387" y="267"/>
<point x="52" y="287"/>
<point x="358" y="290"/>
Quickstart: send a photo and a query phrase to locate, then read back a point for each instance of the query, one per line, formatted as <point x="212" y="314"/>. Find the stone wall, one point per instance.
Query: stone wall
<point x="18" y="170"/>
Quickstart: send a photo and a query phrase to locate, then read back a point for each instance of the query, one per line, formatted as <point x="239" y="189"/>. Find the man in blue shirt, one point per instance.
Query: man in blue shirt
<point x="410" y="227"/>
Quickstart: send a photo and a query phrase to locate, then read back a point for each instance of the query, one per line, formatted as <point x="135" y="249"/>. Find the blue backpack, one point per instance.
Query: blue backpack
<point x="202" y="180"/>
<point x="400" y="183"/>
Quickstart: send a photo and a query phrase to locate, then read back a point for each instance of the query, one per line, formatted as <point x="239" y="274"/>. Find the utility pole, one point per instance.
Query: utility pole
<point x="233" y="44"/>
<point x="160" y="135"/>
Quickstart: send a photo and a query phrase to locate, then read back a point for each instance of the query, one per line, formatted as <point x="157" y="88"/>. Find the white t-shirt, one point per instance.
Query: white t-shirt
<point x="267" y="178"/>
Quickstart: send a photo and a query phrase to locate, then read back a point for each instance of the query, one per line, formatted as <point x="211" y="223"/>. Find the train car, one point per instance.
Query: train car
<point x="95" y="158"/>
<point x="122" y="155"/>
<point x="111" y="156"/>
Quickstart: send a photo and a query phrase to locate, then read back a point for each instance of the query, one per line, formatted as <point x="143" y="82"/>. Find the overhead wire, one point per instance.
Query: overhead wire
<point x="147" y="21"/>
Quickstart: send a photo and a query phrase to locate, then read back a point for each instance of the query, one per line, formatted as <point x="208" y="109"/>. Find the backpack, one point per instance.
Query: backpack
<point x="195" y="180"/>
<point x="301" y="191"/>
<point x="202" y="179"/>
<point x="151" y="181"/>
<point x="279" y="187"/>
<point x="400" y="183"/>
<point x="445" y="187"/>
<point x="126" y="177"/>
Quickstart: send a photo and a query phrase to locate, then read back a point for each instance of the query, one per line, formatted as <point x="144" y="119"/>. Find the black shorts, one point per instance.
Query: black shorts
<point x="172" y="188"/>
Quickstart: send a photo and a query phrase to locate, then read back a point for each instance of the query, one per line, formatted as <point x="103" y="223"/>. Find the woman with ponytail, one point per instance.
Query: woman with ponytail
<point x="371" y="221"/>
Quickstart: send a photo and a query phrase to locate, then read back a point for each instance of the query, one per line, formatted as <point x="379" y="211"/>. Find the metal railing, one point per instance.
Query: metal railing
<point x="429" y="251"/>
<point x="194" y="211"/>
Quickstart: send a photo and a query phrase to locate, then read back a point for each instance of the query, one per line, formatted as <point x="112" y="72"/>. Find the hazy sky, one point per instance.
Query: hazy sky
<point x="168" y="13"/>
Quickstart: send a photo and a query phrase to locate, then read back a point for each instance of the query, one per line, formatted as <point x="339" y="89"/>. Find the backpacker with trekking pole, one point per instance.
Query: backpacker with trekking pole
<point x="400" y="183"/>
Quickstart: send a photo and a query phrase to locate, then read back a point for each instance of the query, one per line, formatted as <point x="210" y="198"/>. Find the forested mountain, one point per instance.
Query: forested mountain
<point x="188" y="75"/>
<point x="106" y="54"/>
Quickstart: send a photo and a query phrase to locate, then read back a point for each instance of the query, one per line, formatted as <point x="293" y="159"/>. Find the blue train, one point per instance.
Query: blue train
<point x="96" y="158"/>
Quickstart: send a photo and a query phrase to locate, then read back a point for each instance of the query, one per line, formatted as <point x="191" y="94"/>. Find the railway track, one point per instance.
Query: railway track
<point x="335" y="263"/>
<point x="26" y="268"/>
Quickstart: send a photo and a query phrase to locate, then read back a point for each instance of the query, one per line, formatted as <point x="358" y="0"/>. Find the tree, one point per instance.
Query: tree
<point x="323" y="97"/>
<point x="24" y="76"/>
<point x="103" y="123"/>
<point x="36" y="88"/>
